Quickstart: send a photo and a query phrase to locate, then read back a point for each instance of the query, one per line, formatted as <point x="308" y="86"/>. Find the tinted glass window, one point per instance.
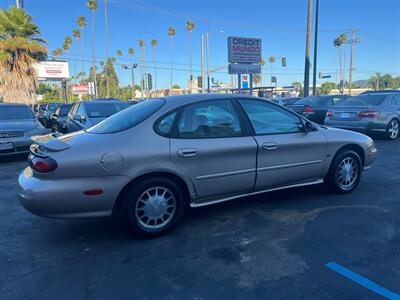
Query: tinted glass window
<point x="81" y="110"/>
<point x="309" y="101"/>
<point x="363" y="100"/>
<point x="15" y="113"/>
<point x="165" y="125"/>
<point x="64" y="110"/>
<point x="103" y="110"/>
<point x="212" y="119"/>
<point x="129" y="117"/>
<point x="269" y="119"/>
<point x="52" y="106"/>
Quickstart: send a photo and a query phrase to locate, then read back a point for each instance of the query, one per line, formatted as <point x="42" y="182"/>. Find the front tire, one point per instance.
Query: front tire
<point x="392" y="130"/>
<point x="345" y="172"/>
<point x="153" y="207"/>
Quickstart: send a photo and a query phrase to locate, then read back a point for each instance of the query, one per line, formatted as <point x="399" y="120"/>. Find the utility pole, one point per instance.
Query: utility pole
<point x="314" y="90"/>
<point x="106" y="66"/>
<point x="308" y="50"/>
<point x="202" y="63"/>
<point x="208" y="60"/>
<point x="353" y="41"/>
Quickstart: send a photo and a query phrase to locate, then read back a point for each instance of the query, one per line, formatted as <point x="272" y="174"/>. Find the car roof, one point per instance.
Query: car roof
<point x="101" y="101"/>
<point x="14" y="104"/>
<point x="381" y="92"/>
<point x="192" y="98"/>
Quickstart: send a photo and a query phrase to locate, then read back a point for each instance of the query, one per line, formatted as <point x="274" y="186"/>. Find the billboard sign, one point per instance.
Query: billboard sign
<point x="80" y="89"/>
<point x="52" y="70"/>
<point x="245" y="81"/>
<point x="244" y="69"/>
<point x="244" y="50"/>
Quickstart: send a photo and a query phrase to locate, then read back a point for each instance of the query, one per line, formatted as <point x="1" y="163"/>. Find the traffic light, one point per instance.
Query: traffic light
<point x="149" y="81"/>
<point x="283" y="61"/>
<point x="199" y="81"/>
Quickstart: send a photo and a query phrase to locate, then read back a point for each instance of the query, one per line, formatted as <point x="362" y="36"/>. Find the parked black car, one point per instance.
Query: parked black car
<point x="45" y="114"/>
<point x="59" y="117"/>
<point x="315" y="108"/>
<point x="85" y="114"/>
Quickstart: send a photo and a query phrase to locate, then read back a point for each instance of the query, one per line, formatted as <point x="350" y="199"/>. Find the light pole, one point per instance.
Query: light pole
<point x="208" y="56"/>
<point x="314" y="89"/>
<point x="106" y="66"/>
<point x="308" y="51"/>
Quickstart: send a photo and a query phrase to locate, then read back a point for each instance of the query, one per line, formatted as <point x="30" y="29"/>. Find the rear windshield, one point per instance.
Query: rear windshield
<point x="104" y="110"/>
<point x="129" y="117"/>
<point x="15" y="113"/>
<point x="309" y="101"/>
<point x="64" y="110"/>
<point x="362" y="100"/>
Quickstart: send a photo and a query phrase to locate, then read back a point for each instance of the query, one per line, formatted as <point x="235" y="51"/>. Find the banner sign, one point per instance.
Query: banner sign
<point x="52" y="70"/>
<point x="91" y="91"/>
<point x="244" y="50"/>
<point x="78" y="89"/>
<point x="244" y="69"/>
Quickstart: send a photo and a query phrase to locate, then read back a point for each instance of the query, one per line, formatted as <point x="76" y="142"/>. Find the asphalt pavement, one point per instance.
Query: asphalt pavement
<point x="280" y="245"/>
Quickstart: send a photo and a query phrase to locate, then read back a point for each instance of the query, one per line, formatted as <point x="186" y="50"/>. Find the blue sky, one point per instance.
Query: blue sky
<point x="281" y="24"/>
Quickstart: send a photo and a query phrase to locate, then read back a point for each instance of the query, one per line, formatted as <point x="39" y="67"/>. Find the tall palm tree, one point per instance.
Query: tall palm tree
<point x="56" y="52"/>
<point x="338" y="43"/>
<point x="106" y="30"/>
<point x="131" y="52"/>
<point x="142" y="62"/>
<point x="93" y="5"/>
<point x="189" y="27"/>
<point x="82" y="24"/>
<point x="154" y="45"/>
<point x="20" y="50"/>
<point x="67" y="44"/>
<point x="171" y="34"/>
<point x="262" y="63"/>
<point x="77" y="34"/>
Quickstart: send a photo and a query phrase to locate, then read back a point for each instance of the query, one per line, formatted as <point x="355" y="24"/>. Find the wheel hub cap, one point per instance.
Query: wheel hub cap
<point x="347" y="173"/>
<point x="393" y="129"/>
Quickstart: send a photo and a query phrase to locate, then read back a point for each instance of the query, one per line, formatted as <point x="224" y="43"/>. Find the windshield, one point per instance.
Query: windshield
<point x="52" y="106"/>
<point x="309" y="101"/>
<point x="362" y="100"/>
<point x="64" y="110"/>
<point x="104" y="110"/>
<point x="15" y="113"/>
<point x="128" y="118"/>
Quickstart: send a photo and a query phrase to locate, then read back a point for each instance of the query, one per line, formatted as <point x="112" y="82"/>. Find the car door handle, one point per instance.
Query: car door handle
<point x="269" y="146"/>
<point x="187" y="152"/>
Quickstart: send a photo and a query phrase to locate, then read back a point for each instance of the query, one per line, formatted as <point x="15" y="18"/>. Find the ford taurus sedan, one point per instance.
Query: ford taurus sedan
<point x="368" y="113"/>
<point x="17" y="125"/>
<point x="146" y="163"/>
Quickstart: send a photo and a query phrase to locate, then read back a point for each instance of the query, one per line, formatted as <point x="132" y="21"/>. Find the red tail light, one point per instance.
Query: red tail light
<point x="369" y="114"/>
<point x="329" y="114"/>
<point x="43" y="165"/>
<point x="308" y="109"/>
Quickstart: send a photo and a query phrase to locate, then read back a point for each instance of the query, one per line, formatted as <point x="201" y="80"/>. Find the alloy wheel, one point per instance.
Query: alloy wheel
<point x="347" y="173"/>
<point x="393" y="129"/>
<point x="155" y="208"/>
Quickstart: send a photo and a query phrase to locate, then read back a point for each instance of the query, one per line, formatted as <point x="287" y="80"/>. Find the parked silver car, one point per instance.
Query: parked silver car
<point x="147" y="162"/>
<point x="17" y="125"/>
<point x="368" y="113"/>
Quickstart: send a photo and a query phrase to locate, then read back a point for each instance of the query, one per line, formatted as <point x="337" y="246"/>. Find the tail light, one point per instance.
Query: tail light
<point x="369" y="114"/>
<point x="43" y="165"/>
<point x="329" y="114"/>
<point x="308" y="109"/>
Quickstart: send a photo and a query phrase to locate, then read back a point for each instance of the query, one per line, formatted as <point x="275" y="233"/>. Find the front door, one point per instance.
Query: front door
<point x="209" y="146"/>
<point x="287" y="154"/>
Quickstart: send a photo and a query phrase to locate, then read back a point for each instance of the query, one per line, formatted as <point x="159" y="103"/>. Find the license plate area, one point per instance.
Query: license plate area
<point x="345" y="115"/>
<point x="6" y="146"/>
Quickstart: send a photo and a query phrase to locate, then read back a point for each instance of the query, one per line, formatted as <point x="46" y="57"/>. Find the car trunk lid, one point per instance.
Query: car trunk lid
<point x="349" y="113"/>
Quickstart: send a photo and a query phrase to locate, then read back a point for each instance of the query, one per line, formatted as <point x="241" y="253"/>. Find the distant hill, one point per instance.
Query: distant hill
<point x="361" y="83"/>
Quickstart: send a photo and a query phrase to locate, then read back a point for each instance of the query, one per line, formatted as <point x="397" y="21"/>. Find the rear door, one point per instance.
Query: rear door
<point x="286" y="153"/>
<point x="210" y="146"/>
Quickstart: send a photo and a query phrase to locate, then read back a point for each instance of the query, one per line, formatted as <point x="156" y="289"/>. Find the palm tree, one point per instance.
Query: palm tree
<point x="262" y="63"/>
<point x="131" y="52"/>
<point x="338" y="43"/>
<point x="77" y="34"/>
<point x="154" y="44"/>
<point x="56" y="52"/>
<point x="92" y="5"/>
<point x="82" y="24"/>
<point x="142" y="62"/>
<point x="171" y="34"/>
<point x="67" y="44"/>
<point x="119" y="54"/>
<point x="20" y="50"/>
<point x="189" y="27"/>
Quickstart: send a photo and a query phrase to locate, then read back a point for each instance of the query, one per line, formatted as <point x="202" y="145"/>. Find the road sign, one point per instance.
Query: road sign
<point x="91" y="88"/>
<point x="244" y="50"/>
<point x="273" y="79"/>
<point x="326" y="76"/>
<point x="244" y="69"/>
<point x="245" y="81"/>
<point x="80" y="89"/>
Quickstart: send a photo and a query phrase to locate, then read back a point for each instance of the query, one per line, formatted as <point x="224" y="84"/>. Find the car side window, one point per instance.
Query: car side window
<point x="57" y="112"/>
<point x="81" y="110"/>
<point x="211" y="119"/>
<point x="397" y="99"/>
<point x="393" y="101"/>
<point x="267" y="118"/>
<point x="335" y="100"/>
<point x="164" y="126"/>
<point x="73" y="110"/>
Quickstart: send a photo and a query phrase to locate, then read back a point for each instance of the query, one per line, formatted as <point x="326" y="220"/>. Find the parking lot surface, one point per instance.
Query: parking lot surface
<point x="273" y="246"/>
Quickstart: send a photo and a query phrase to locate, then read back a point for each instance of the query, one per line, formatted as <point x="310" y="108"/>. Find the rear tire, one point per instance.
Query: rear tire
<point x="392" y="129"/>
<point x="345" y="172"/>
<point x="153" y="207"/>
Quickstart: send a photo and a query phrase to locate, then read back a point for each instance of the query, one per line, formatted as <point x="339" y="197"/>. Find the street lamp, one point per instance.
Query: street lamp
<point x="132" y="67"/>
<point x="208" y="55"/>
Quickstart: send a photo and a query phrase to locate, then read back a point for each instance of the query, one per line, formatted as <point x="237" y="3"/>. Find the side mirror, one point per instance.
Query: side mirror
<point x="78" y="118"/>
<point x="308" y="126"/>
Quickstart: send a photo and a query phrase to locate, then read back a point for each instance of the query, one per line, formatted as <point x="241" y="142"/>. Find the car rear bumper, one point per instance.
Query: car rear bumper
<point x="64" y="198"/>
<point x="360" y="126"/>
<point x="20" y="145"/>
